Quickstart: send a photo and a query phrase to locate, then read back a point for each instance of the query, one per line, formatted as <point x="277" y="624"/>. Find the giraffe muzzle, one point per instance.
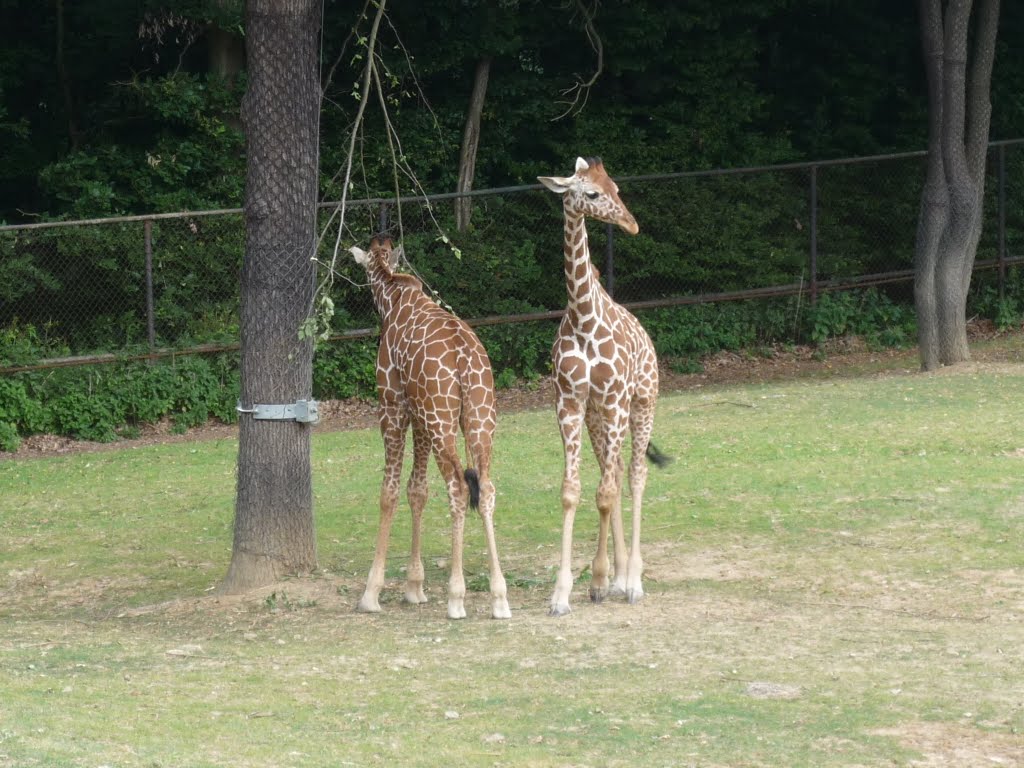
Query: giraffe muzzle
<point x="628" y="224"/>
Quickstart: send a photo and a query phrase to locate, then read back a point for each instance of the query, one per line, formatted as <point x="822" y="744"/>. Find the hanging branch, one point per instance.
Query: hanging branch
<point x="580" y="90"/>
<point x="341" y="54"/>
<point x="318" y="324"/>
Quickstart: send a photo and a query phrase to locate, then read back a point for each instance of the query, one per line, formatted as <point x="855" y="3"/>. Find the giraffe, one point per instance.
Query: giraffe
<point x="432" y="373"/>
<point x="606" y="376"/>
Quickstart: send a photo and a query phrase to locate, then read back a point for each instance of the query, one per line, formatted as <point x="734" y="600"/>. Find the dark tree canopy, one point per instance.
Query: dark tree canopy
<point x="134" y="115"/>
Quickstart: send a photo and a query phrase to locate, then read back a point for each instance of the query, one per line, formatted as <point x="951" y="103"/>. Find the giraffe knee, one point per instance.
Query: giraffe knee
<point x="416" y="492"/>
<point x="606" y="497"/>
<point x="389" y="493"/>
<point x="637" y="477"/>
<point x="487" y="497"/>
<point x="570" y="494"/>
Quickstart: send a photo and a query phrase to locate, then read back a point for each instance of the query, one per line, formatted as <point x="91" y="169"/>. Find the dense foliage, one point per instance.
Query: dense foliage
<point x="116" y="107"/>
<point x="138" y="111"/>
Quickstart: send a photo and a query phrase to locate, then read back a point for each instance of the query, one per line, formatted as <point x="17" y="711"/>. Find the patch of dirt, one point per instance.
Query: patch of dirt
<point x="953" y="744"/>
<point x="992" y="351"/>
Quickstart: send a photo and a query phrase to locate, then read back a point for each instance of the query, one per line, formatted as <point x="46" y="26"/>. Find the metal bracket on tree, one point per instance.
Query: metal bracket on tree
<point x="302" y="411"/>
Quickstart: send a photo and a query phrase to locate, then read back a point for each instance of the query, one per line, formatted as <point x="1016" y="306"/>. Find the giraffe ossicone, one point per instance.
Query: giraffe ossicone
<point x="606" y="377"/>
<point x="433" y="374"/>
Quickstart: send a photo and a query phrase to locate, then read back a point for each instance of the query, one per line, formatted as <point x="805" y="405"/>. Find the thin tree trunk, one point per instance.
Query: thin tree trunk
<point x="274" y="533"/>
<point x="62" y="78"/>
<point x="950" y="223"/>
<point x="226" y="53"/>
<point x="470" y="142"/>
<point x="934" y="210"/>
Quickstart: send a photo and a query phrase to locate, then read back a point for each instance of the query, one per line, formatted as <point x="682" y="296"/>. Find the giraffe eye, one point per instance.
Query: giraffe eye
<point x="592" y="195"/>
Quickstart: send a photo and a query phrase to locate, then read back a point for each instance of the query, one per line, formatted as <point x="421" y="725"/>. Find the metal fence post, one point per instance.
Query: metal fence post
<point x="147" y="230"/>
<point x="1002" y="221"/>
<point x="609" y="260"/>
<point x="814" y="234"/>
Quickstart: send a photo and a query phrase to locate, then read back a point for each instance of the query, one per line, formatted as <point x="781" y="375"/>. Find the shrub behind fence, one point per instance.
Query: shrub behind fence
<point x="76" y="293"/>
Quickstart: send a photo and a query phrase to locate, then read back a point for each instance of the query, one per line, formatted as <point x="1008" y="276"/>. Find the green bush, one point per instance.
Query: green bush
<point x="695" y="331"/>
<point x="102" y="402"/>
<point x="1006" y="310"/>
<point x="9" y="437"/>
<point x="345" y="369"/>
<point x="519" y="351"/>
<point x="20" y="409"/>
<point x="869" y="313"/>
<point x="24" y="343"/>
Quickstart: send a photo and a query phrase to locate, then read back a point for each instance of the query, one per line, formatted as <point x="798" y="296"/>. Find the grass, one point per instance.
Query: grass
<point x="835" y="577"/>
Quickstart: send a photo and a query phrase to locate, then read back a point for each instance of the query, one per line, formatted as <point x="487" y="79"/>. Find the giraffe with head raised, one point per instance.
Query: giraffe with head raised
<point x="433" y="374"/>
<point x="606" y="377"/>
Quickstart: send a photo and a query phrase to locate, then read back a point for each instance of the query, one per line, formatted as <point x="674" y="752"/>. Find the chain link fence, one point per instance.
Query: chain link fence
<point x="95" y="291"/>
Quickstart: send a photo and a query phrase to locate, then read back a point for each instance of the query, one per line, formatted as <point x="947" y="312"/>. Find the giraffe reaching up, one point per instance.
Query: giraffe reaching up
<point x="606" y="376"/>
<point x="432" y="373"/>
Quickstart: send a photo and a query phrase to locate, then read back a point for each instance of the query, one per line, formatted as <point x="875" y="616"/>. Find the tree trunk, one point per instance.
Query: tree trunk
<point x="950" y="218"/>
<point x="62" y="78"/>
<point x="226" y="53"/>
<point x="470" y="142"/>
<point x="274" y="533"/>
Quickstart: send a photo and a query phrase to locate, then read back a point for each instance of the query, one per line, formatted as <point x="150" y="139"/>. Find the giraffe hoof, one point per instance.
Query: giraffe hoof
<point x="456" y="610"/>
<point x="598" y="594"/>
<point x="368" y="606"/>
<point x="415" y="598"/>
<point x="559" y="610"/>
<point x="616" y="590"/>
<point x="500" y="610"/>
<point x="634" y="596"/>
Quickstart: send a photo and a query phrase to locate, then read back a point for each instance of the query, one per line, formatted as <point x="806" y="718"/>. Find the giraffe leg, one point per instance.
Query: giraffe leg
<point x="641" y="423"/>
<point x="609" y="507"/>
<point x="570" y="419"/>
<point x="393" y="423"/>
<point x="417" y="494"/>
<point x="499" y="591"/>
<point x="599" y="565"/>
<point x="618" y="585"/>
<point x="451" y="470"/>
<point x="478" y="422"/>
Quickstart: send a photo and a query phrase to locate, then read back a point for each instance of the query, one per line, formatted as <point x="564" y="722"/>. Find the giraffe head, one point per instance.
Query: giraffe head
<point x="381" y="254"/>
<point x="592" y="192"/>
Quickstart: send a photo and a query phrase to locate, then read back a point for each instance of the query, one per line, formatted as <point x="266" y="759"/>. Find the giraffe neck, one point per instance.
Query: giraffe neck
<point x="385" y="290"/>
<point x="581" y="280"/>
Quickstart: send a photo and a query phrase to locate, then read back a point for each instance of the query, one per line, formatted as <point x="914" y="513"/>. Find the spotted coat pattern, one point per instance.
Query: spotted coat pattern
<point x="432" y="374"/>
<point x="606" y="377"/>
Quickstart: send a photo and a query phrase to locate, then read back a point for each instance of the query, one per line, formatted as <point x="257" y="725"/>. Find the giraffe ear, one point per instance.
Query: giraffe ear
<point x="558" y="184"/>
<point x="362" y="257"/>
<point x="581" y="165"/>
<point x="396" y="256"/>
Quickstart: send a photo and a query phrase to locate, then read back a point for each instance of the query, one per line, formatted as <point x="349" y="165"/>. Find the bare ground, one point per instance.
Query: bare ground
<point x="844" y="632"/>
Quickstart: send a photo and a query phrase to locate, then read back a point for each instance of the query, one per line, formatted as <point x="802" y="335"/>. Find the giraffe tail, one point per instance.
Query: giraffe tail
<point x="473" y="481"/>
<point x="657" y="458"/>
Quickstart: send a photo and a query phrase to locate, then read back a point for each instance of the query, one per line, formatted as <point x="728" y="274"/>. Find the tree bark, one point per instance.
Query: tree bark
<point x="950" y="218"/>
<point x="470" y="142"/>
<point x="65" y="82"/>
<point x="226" y="53"/>
<point x="274" y="532"/>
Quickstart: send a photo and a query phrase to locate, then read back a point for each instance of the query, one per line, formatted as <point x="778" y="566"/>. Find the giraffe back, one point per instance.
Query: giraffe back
<point x="428" y="358"/>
